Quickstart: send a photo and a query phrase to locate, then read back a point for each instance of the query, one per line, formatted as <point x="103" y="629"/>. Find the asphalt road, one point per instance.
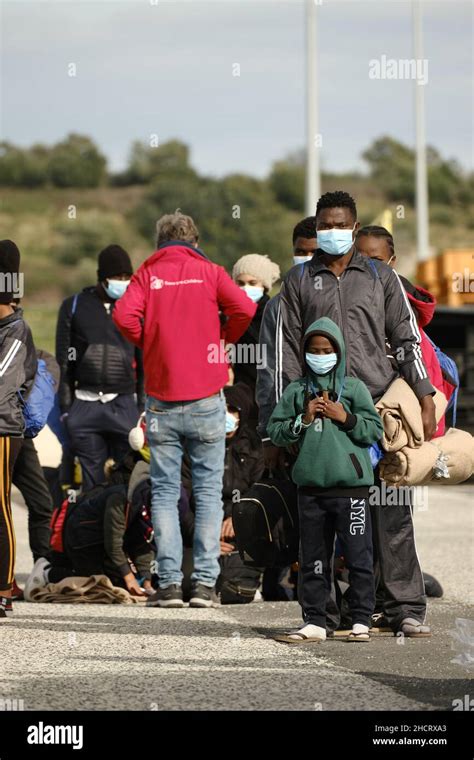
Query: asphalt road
<point x="120" y="657"/>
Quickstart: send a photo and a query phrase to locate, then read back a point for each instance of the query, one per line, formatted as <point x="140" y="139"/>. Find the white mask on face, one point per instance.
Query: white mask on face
<point x="302" y="259"/>
<point x="253" y="292"/>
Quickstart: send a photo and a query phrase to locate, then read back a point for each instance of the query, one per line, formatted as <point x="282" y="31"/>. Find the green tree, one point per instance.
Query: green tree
<point x="76" y="162"/>
<point x="148" y="163"/>
<point x="392" y="169"/>
<point x="235" y="215"/>
<point x="287" y="181"/>
<point x="23" y="167"/>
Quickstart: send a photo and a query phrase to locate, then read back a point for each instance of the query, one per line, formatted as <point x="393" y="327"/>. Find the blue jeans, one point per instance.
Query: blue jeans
<point x="200" y="427"/>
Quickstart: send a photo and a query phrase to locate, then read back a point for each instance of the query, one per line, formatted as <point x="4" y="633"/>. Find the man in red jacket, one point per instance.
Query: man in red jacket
<point x="171" y="311"/>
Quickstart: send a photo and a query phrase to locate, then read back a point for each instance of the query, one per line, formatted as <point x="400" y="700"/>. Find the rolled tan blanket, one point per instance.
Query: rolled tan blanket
<point x="400" y="411"/>
<point x="414" y="467"/>
<point x="409" y="467"/>
<point x="96" y="589"/>
<point x="458" y="447"/>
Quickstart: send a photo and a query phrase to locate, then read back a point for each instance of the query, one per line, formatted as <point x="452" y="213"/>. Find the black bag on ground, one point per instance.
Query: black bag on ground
<point x="265" y="522"/>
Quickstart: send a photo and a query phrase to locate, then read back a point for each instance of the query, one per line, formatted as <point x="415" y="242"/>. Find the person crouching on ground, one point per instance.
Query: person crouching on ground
<point x="333" y="420"/>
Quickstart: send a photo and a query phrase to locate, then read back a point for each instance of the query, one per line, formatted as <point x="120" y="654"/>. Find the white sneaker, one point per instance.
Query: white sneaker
<point x="37" y="578"/>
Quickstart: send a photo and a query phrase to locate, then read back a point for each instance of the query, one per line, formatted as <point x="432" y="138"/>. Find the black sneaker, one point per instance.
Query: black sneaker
<point x="203" y="596"/>
<point x="171" y="596"/>
<point x="6" y="609"/>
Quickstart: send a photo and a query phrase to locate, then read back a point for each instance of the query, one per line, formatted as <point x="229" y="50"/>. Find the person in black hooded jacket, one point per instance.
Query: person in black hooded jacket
<point x="243" y="466"/>
<point x="101" y="389"/>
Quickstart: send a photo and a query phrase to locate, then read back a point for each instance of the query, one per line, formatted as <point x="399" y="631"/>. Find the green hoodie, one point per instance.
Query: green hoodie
<point x="331" y="455"/>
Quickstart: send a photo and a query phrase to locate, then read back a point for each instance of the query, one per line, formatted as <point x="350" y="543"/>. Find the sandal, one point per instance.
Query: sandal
<point x="339" y="633"/>
<point x="358" y="636"/>
<point x="413" y="629"/>
<point x="303" y="638"/>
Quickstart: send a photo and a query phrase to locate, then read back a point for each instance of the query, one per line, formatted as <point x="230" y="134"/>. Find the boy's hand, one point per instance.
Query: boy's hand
<point x="334" y="410"/>
<point x="315" y="406"/>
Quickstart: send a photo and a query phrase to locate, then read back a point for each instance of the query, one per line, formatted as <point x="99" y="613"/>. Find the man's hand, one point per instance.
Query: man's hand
<point x="227" y="529"/>
<point x="273" y="457"/>
<point x="227" y="548"/>
<point x="132" y="586"/>
<point x="428" y="417"/>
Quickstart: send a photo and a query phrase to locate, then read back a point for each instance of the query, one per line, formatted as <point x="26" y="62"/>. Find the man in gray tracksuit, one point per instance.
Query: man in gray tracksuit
<point x="366" y="299"/>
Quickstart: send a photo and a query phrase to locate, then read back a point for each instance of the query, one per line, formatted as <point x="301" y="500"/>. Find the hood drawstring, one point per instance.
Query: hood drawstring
<point x="310" y="384"/>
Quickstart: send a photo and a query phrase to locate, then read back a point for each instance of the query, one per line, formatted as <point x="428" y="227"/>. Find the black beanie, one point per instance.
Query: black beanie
<point x="9" y="264"/>
<point x="113" y="261"/>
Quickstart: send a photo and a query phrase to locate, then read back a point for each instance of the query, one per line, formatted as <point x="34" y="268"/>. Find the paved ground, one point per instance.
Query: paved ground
<point x="115" y="657"/>
<point x="110" y="657"/>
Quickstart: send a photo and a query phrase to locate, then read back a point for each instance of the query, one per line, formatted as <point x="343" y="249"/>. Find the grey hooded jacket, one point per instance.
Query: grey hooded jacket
<point x="369" y="304"/>
<point x="18" y="365"/>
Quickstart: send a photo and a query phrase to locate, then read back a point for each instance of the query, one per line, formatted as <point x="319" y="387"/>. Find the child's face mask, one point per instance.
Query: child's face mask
<point x="321" y="364"/>
<point x="231" y="423"/>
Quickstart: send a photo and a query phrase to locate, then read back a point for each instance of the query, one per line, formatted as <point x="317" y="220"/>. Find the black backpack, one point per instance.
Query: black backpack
<point x="265" y="522"/>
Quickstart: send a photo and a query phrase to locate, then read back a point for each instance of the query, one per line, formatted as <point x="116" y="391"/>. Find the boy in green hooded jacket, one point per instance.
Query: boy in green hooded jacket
<point x="333" y="421"/>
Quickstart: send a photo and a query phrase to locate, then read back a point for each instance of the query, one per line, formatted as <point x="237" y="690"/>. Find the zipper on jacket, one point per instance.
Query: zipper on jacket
<point x="104" y="355"/>
<point x="341" y="312"/>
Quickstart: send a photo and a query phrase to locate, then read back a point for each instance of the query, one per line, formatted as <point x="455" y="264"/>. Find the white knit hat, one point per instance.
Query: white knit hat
<point x="136" y="436"/>
<point x="261" y="267"/>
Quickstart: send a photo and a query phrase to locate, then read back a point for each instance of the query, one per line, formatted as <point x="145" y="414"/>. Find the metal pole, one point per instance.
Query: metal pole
<point x="313" y="179"/>
<point x="422" y="223"/>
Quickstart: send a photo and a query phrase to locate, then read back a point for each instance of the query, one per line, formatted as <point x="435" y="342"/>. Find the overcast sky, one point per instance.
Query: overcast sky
<point x="166" y="68"/>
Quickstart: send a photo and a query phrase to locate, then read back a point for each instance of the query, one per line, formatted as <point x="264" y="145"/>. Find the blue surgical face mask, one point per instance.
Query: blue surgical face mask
<point x="253" y="292"/>
<point x="302" y="259"/>
<point x="231" y="423"/>
<point x="335" y="242"/>
<point x="321" y="364"/>
<point x="116" y="288"/>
